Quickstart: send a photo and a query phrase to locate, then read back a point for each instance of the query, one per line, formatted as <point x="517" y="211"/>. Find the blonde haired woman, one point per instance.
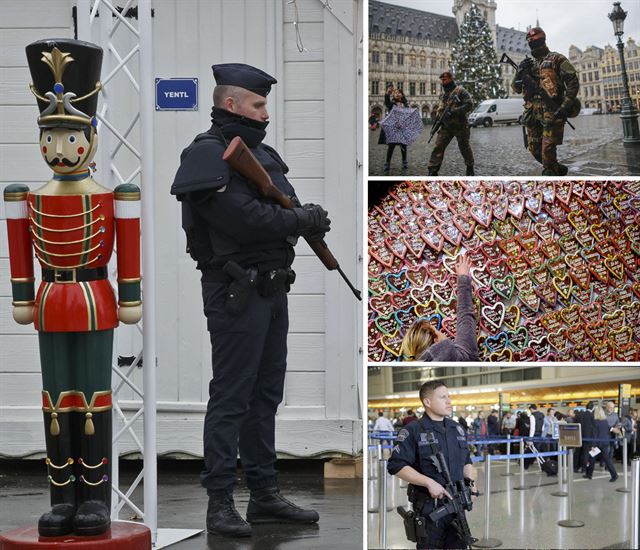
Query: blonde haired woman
<point x="423" y="342"/>
<point x="601" y="431"/>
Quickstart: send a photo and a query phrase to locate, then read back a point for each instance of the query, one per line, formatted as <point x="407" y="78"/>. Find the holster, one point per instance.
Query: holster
<point x="415" y="525"/>
<point x="243" y="280"/>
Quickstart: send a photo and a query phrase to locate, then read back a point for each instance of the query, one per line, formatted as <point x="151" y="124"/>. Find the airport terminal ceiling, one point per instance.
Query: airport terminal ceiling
<point x="549" y="393"/>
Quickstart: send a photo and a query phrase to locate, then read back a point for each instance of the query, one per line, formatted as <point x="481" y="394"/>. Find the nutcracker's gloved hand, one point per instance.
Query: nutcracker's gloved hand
<point x="129" y="315"/>
<point x="313" y="221"/>
<point x="23" y="315"/>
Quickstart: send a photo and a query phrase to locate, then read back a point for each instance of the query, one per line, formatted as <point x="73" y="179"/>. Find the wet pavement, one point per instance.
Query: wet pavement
<point x="595" y="148"/>
<point x="182" y="504"/>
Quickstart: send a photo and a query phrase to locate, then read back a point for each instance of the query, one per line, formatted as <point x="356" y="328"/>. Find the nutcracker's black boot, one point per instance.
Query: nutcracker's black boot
<point x="269" y="506"/>
<point x="57" y="522"/>
<point x="93" y="516"/>
<point x="223" y="518"/>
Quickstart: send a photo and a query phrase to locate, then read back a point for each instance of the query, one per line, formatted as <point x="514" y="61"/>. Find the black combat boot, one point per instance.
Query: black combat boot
<point x="93" y="516"/>
<point x="57" y="522"/>
<point x="562" y="170"/>
<point x="470" y="171"/>
<point x="433" y="170"/>
<point x="269" y="506"/>
<point x="223" y="518"/>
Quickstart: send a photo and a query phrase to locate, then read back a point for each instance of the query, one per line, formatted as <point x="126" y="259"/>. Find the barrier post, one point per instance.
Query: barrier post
<point x="635" y="503"/>
<point x="382" y="503"/>
<point x="508" y="472"/>
<point x="371" y="464"/>
<point x="561" y="461"/>
<point x="487" y="542"/>
<point x="625" y="473"/>
<point x="570" y="522"/>
<point x="522" y="486"/>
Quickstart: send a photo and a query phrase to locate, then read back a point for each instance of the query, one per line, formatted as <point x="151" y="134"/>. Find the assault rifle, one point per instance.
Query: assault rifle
<point x="532" y="86"/>
<point x="243" y="161"/>
<point x="438" y="123"/>
<point x="459" y="491"/>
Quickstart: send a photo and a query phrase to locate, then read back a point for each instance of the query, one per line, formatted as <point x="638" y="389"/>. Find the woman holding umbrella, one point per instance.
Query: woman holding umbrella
<point x="398" y="100"/>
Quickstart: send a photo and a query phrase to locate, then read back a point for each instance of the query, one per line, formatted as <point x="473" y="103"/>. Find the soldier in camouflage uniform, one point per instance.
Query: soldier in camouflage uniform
<point x="455" y="102"/>
<point x="549" y="72"/>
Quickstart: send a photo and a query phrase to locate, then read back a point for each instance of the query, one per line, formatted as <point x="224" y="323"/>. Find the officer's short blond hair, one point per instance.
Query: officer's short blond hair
<point x="220" y="93"/>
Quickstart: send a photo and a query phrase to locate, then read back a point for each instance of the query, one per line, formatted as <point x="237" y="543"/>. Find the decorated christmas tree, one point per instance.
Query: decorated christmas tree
<point x="473" y="58"/>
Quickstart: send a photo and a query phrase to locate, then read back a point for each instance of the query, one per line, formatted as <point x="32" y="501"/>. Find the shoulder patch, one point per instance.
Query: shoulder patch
<point x="460" y="429"/>
<point x="402" y="435"/>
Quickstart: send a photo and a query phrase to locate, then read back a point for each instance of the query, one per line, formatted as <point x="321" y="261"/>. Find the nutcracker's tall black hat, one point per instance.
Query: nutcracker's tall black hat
<point x="65" y="77"/>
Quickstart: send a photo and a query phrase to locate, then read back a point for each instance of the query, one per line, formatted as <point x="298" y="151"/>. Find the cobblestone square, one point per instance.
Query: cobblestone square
<point x="595" y="148"/>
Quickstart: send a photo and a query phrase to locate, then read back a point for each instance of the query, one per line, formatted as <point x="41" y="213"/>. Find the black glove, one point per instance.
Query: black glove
<point x="313" y="221"/>
<point x="561" y="113"/>
<point x="447" y="116"/>
<point x="524" y="68"/>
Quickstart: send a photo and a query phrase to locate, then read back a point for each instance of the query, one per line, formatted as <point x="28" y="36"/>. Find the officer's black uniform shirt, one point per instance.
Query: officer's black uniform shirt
<point x="412" y="448"/>
<point x="242" y="225"/>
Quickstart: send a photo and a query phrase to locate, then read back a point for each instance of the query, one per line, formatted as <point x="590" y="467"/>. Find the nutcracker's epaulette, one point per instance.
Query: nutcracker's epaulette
<point x="127" y="192"/>
<point x="201" y="167"/>
<point x="16" y="192"/>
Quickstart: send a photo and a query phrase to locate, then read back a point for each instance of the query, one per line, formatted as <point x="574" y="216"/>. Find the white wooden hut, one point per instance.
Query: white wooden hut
<point x="316" y="125"/>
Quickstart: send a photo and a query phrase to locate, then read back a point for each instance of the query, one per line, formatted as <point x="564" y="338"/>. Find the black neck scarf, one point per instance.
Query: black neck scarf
<point x="230" y="125"/>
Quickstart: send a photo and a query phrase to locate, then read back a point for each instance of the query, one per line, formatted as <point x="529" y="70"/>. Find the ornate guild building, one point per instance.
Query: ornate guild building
<point x="410" y="48"/>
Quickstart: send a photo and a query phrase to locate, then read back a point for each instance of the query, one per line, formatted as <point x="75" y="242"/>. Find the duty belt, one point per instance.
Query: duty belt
<point x="267" y="283"/>
<point x="74" y="275"/>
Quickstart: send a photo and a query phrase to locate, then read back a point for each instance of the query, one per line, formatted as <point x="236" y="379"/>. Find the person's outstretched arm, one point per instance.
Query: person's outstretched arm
<point x="466" y="323"/>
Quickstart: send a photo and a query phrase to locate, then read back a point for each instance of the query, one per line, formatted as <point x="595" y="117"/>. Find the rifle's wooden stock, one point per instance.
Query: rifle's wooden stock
<point x="243" y="161"/>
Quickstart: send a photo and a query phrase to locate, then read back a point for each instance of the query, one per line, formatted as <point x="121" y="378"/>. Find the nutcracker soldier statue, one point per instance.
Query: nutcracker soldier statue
<point x="70" y="224"/>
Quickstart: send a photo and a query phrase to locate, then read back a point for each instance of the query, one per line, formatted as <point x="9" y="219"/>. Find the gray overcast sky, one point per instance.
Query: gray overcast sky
<point x="566" y="22"/>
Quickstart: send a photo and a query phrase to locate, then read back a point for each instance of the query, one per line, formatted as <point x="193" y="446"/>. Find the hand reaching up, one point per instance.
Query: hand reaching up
<point x="463" y="265"/>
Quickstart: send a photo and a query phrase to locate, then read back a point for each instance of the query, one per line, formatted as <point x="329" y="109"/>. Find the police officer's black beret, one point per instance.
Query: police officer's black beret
<point x="243" y="76"/>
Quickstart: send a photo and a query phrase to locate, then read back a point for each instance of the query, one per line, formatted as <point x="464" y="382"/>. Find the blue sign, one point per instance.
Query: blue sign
<point x="176" y="94"/>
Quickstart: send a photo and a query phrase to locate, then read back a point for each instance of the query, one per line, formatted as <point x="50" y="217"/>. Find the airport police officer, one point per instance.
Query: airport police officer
<point x="412" y="460"/>
<point x="243" y="245"/>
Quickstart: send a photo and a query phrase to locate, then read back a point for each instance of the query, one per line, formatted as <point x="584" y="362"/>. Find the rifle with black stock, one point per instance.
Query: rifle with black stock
<point x="243" y="161"/>
<point x="532" y="87"/>
<point x="438" y="123"/>
<point x="459" y="491"/>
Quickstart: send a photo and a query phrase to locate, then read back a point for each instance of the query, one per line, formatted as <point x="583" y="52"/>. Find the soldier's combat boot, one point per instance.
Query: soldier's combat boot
<point x="562" y="170"/>
<point x="269" y="506"/>
<point x="433" y="170"/>
<point x="223" y="518"/>
<point x="57" y="522"/>
<point x="93" y="516"/>
<point x="470" y="171"/>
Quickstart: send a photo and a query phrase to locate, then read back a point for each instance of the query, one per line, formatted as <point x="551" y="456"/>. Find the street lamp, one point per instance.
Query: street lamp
<point x="628" y="113"/>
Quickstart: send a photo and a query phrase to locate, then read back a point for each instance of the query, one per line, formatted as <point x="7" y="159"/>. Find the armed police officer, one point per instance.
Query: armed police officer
<point x="432" y="454"/>
<point x="550" y="86"/>
<point x="243" y="245"/>
<point x="451" y="117"/>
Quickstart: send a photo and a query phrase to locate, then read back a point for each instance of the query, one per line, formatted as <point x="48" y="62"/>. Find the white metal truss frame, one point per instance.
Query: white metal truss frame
<point x="102" y="30"/>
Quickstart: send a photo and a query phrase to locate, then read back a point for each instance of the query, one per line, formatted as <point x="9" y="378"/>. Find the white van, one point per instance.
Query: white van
<point x="497" y="111"/>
